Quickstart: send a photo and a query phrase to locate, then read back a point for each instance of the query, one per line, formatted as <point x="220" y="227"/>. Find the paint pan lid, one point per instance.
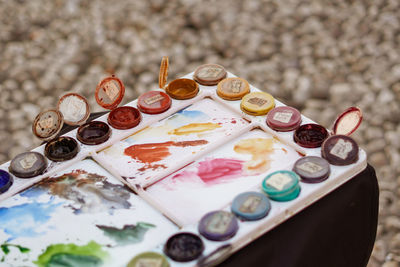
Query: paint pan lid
<point x="251" y="206"/>
<point x="209" y="74"/>
<point x="109" y="92"/>
<point x="154" y="102"/>
<point x="184" y="247"/>
<point x="47" y="124"/>
<point x="312" y="169"/>
<point x="61" y="149"/>
<point x="75" y="108"/>
<point x="348" y="122"/>
<point x="218" y="225"/>
<point x="163" y="74"/>
<point x="280" y="182"/>
<point x="182" y="89"/>
<point x="124" y="117"/>
<point x="149" y="259"/>
<point x="284" y="118"/>
<point x="6" y="181"/>
<point x="340" y="150"/>
<point x="233" y="88"/>
<point x="93" y="133"/>
<point x="28" y="164"/>
<point x="310" y="135"/>
<point x="257" y="103"/>
<point x="216" y="257"/>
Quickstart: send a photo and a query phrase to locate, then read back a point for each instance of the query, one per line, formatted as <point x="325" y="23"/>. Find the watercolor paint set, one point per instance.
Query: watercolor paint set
<point x="185" y="175"/>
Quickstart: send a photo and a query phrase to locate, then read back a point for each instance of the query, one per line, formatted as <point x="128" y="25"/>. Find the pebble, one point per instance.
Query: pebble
<point x="320" y="58"/>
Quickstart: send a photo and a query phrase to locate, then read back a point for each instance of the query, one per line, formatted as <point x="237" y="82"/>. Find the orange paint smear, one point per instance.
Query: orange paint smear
<point x="260" y="150"/>
<point x="193" y="128"/>
<point x="153" y="152"/>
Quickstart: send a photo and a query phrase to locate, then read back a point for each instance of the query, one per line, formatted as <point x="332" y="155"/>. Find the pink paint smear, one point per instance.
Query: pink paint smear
<point x="212" y="171"/>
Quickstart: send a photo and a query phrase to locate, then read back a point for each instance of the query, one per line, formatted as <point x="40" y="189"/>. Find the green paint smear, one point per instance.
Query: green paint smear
<point x="6" y="248"/>
<point x="129" y="234"/>
<point x="58" y="255"/>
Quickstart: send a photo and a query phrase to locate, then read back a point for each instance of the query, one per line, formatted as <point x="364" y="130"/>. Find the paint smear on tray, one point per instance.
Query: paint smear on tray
<point x="195" y="128"/>
<point x="91" y="254"/>
<point x="260" y="150"/>
<point x="5" y="247"/>
<point x="89" y="192"/>
<point x="180" y="119"/>
<point x="154" y="152"/>
<point x="24" y="220"/>
<point x="213" y="171"/>
<point x="129" y="234"/>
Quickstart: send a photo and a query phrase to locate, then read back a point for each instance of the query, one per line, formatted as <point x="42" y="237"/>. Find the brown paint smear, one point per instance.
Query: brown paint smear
<point x="260" y="149"/>
<point x="195" y="128"/>
<point x="153" y="152"/>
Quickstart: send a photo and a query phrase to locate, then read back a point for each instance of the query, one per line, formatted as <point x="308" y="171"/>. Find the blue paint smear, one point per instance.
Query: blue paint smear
<point x="191" y="113"/>
<point x="33" y="192"/>
<point x="22" y="220"/>
<point x="184" y="117"/>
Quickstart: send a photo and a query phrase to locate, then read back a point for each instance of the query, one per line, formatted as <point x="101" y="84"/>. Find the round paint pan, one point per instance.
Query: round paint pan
<point x="257" y="103"/>
<point x="6" y="181"/>
<point x="310" y="135"/>
<point x="251" y="206"/>
<point x="75" y="109"/>
<point x="209" y="74"/>
<point x="61" y="149"/>
<point x="154" y="102"/>
<point x="184" y="247"/>
<point x="109" y="94"/>
<point x="93" y="133"/>
<point x="218" y="225"/>
<point x="284" y="119"/>
<point x="47" y="124"/>
<point x="312" y="169"/>
<point x="182" y="89"/>
<point x="233" y="88"/>
<point x="149" y="259"/>
<point x="123" y="118"/>
<point x="28" y="165"/>
<point x="340" y="150"/>
<point x="282" y="185"/>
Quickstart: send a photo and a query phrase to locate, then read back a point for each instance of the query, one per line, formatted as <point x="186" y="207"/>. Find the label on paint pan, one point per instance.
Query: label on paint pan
<point x="149" y="263"/>
<point x="219" y="223"/>
<point x="111" y="89"/>
<point x="257" y="101"/>
<point x="210" y="72"/>
<point x="153" y="99"/>
<point x="46" y="123"/>
<point x="283" y="116"/>
<point x="28" y="161"/>
<point x="235" y="86"/>
<point x="341" y="149"/>
<point x="310" y="167"/>
<point x="278" y="181"/>
<point x="250" y="205"/>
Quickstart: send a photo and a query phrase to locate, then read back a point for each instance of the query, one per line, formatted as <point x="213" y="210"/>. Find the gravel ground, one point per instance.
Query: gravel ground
<point x="319" y="56"/>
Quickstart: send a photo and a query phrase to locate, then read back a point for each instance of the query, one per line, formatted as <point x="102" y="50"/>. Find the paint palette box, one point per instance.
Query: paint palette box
<point x="126" y="196"/>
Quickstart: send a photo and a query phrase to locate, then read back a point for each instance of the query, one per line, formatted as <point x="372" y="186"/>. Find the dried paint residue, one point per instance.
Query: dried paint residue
<point x="213" y="171"/>
<point x="91" y="254"/>
<point x="89" y="192"/>
<point x="13" y="219"/>
<point x="153" y="152"/>
<point x="128" y="234"/>
<point x="194" y="128"/>
<point x="260" y="150"/>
